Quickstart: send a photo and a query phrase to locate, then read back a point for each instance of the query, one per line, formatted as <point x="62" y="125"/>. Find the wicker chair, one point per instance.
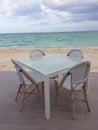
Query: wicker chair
<point x="28" y="83"/>
<point x="75" y="53"/>
<point x="36" y="54"/>
<point x="72" y="83"/>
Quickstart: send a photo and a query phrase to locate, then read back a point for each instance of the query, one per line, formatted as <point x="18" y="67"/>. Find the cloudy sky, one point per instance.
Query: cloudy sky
<point x="48" y="15"/>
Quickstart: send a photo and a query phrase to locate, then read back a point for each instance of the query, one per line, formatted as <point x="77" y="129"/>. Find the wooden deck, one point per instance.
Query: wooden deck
<point x="32" y="117"/>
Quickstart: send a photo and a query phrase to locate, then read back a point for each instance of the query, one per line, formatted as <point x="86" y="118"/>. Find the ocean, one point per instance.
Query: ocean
<point x="49" y="40"/>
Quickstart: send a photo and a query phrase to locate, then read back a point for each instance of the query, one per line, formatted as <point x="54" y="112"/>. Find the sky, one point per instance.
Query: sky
<point x="17" y="16"/>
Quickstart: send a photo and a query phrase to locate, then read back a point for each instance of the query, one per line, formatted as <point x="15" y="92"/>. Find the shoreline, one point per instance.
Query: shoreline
<point x="90" y="54"/>
<point x="29" y="48"/>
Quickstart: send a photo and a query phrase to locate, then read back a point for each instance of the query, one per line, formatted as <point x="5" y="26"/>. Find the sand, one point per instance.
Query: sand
<point x="90" y="54"/>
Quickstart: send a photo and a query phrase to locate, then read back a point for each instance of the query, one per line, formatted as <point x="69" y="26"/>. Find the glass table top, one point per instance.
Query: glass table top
<point x="51" y="63"/>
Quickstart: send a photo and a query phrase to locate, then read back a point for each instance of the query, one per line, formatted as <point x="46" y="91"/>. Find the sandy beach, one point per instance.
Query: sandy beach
<point x="7" y="54"/>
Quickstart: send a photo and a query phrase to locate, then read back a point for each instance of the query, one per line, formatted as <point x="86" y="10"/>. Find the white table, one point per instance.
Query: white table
<point x="49" y="66"/>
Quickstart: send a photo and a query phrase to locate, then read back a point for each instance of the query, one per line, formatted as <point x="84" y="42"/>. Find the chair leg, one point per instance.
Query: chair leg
<point x="20" y="105"/>
<point x="42" y="87"/>
<point x="56" y="94"/>
<point x="18" y="92"/>
<point x="86" y="100"/>
<point x="22" y="97"/>
<point x="73" y="106"/>
<point x="56" y="91"/>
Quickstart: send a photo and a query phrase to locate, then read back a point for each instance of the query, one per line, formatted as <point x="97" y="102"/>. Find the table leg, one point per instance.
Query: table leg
<point x="47" y="98"/>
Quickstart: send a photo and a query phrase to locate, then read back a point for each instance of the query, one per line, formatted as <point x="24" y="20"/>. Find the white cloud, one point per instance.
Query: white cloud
<point x="4" y="6"/>
<point x="66" y="2"/>
<point x="23" y="3"/>
<point x="55" y="15"/>
<point x="58" y="2"/>
<point x="44" y="14"/>
<point x="46" y="9"/>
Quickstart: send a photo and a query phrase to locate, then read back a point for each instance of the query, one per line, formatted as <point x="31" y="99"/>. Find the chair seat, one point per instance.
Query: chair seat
<point x="36" y="78"/>
<point x="29" y="82"/>
<point x="75" y="53"/>
<point x="73" y="81"/>
<point x="33" y="75"/>
<point x="36" y="54"/>
<point x="67" y="83"/>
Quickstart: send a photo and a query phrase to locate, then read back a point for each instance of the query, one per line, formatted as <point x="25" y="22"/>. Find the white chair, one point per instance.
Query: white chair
<point x="36" y="54"/>
<point x="29" y="84"/>
<point x="75" y="53"/>
<point x="72" y="83"/>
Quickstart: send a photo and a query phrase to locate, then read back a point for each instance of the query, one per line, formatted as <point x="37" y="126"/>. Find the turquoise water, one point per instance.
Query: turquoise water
<point x="49" y="40"/>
